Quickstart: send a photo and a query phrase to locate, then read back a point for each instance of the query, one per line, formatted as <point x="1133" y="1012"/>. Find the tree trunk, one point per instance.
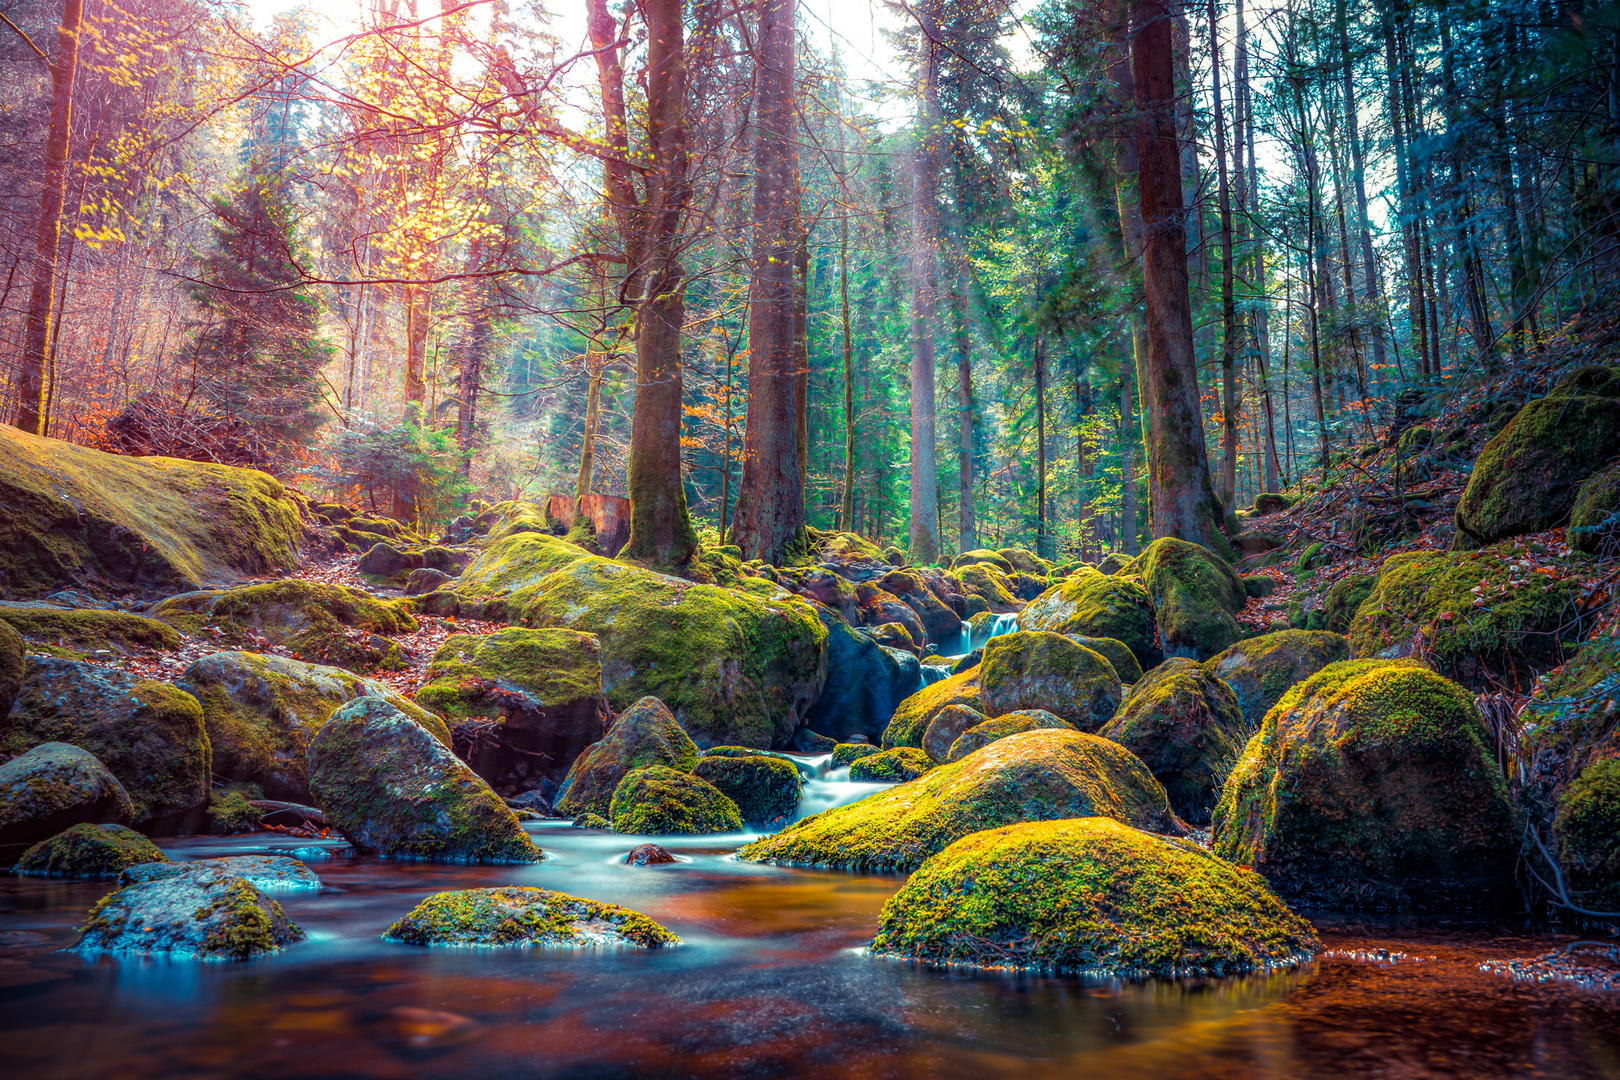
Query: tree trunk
<point x="1127" y="461"/>
<point x="1043" y="546"/>
<point x="31" y="386"/>
<point x="924" y="187"/>
<point x="620" y="185"/>
<point x="967" y="529"/>
<point x="1229" y="330"/>
<point x="1184" y="505"/>
<point x="846" y="508"/>
<point x="1372" y="288"/>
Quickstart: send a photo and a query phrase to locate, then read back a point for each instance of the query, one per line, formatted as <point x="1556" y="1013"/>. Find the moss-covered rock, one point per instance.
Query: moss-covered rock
<point x="230" y="812"/>
<point x="1587" y="830"/>
<point x="1343" y="599"/>
<point x="541" y="688"/>
<point x="982" y="555"/>
<point x="940" y="623"/>
<point x="261" y="712"/>
<point x="320" y="624"/>
<point x="1024" y="561"/>
<point x="392" y="789"/>
<point x="1261" y="670"/>
<point x="946" y="727"/>
<point x="69" y="514"/>
<point x="1526" y="478"/>
<point x="657" y="800"/>
<point x="1372" y="784"/>
<point x="197" y="912"/>
<point x="844" y="754"/>
<point x="765" y="789"/>
<point x="89" y="853"/>
<point x="149" y="734"/>
<point x="645" y="734"/>
<point x="1118" y="654"/>
<point x="517" y="916"/>
<point x="988" y="583"/>
<point x="1594" y="522"/>
<point x="893" y="766"/>
<point x="13" y="663"/>
<point x="913" y="715"/>
<point x="272" y="873"/>
<point x="1090" y="895"/>
<point x="74" y="633"/>
<point x="593" y="821"/>
<point x="981" y="735"/>
<point x="1187" y="727"/>
<point x="54" y="786"/>
<point x="1038" y="669"/>
<point x="1196" y="597"/>
<point x="1091" y="604"/>
<point x="500" y="582"/>
<point x="1034" y="776"/>
<point x="1475" y="616"/>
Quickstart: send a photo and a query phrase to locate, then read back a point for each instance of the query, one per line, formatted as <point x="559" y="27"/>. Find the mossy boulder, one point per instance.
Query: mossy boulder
<point x="1527" y="477"/>
<point x="1587" y="831"/>
<point x="69" y="514"/>
<point x="13" y="663"/>
<point x="982" y="555"/>
<point x="230" y="812"/>
<point x="539" y="693"/>
<point x="54" y="786"/>
<point x="940" y="623"/>
<point x="946" y="727"/>
<point x="1261" y="670"/>
<point x="1187" y="727"/>
<point x="1477" y="616"/>
<point x="657" y="800"/>
<point x="644" y="734"/>
<point x="516" y="916"/>
<point x="1372" y="784"/>
<point x="1589" y="379"/>
<point x="1343" y="599"/>
<point x="392" y="789"/>
<point x="1118" y="654"/>
<point x="981" y="735"/>
<point x="197" y="912"/>
<point x="320" y="624"/>
<point x="1038" y="669"/>
<point x="1594" y="522"/>
<point x="988" y="583"/>
<point x="149" y="734"/>
<point x="1196" y="597"/>
<point x="506" y="575"/>
<point x="893" y="766"/>
<point x="845" y="754"/>
<point x="89" y="852"/>
<point x="1091" y="604"/>
<point x="1090" y="895"/>
<point x="1568" y="722"/>
<point x="913" y="715"/>
<point x="1034" y="776"/>
<point x="272" y="873"/>
<point x="765" y="789"/>
<point x="1025" y="562"/>
<point x="75" y="633"/>
<point x="261" y="711"/>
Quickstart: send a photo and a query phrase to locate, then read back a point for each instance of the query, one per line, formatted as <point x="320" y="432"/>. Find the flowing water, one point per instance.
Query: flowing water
<point x="770" y="982"/>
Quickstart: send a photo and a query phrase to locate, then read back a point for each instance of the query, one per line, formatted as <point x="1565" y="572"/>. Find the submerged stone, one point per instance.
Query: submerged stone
<point x="194" y="911"/>
<point x="516" y="916"/>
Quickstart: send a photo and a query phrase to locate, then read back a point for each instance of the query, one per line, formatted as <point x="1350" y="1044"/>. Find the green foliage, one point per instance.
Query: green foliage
<point x="418" y="465"/>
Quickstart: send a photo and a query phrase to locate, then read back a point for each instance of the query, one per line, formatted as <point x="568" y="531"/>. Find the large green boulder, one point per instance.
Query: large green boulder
<point x="765" y="789"/>
<point x="644" y="734"/>
<point x="982" y="555"/>
<point x="79" y="633"/>
<point x="1527" y="477"/>
<point x="513" y="915"/>
<point x="320" y="624"/>
<point x="1261" y="670"/>
<point x="71" y="515"/>
<point x="1196" y="597"/>
<point x="261" y="712"/>
<point x="1038" y="669"/>
<point x="13" y="663"/>
<point x="1587" y="832"/>
<point x="1373" y="784"/>
<point x="198" y="912"/>
<point x="394" y="790"/>
<point x="1479" y="617"/>
<point x="1090" y="895"/>
<point x="893" y="766"/>
<point x="1091" y="604"/>
<point x="1187" y="727"/>
<point x="989" y="584"/>
<point x="149" y="734"/>
<point x="506" y="575"/>
<point x="534" y="698"/>
<point x="913" y="715"/>
<point x="1035" y="776"/>
<point x="89" y="852"/>
<point x="54" y="786"/>
<point x="983" y="734"/>
<point x="658" y="800"/>
<point x="1116" y="653"/>
<point x="1594" y="522"/>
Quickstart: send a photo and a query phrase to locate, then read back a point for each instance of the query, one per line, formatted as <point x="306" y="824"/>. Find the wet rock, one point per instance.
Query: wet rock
<point x="89" y="852"/>
<point x="983" y="734"/>
<point x="645" y="734"/>
<point x="394" y="790"/>
<point x="946" y="727"/>
<point x="1007" y="897"/>
<point x="913" y="715"/>
<point x="1037" y="669"/>
<point x="1196" y="597"/>
<point x="1261" y="670"/>
<point x="939" y="622"/>
<point x="970" y="660"/>
<point x="272" y="873"/>
<point x="845" y="754"/>
<point x="657" y="800"/>
<point x="148" y="734"/>
<point x="648" y="855"/>
<point x="196" y="911"/>
<point x="515" y="916"/>
<point x="1091" y="604"/>
<point x="893" y="766"/>
<point x="880" y="608"/>
<point x="534" y="802"/>
<point x="765" y="789"/>
<point x="808" y="742"/>
<point x="592" y="821"/>
<point x="1033" y="776"/>
<point x="864" y="683"/>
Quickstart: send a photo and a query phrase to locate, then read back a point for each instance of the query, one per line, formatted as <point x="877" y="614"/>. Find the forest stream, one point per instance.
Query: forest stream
<point x="772" y="980"/>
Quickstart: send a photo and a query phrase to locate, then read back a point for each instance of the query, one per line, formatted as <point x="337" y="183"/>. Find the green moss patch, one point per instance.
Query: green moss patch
<point x="981" y="735"/>
<point x="1196" y="597"/>
<point x="913" y="715"/>
<point x="1587" y="828"/>
<point x="1594" y="522"/>
<point x="656" y="799"/>
<point x="89" y="852"/>
<point x="1091" y="604"/>
<point x="78" y="631"/>
<point x="1037" y="669"/>
<point x="893" y="766"/>
<point x="513" y="916"/>
<point x="845" y="754"/>
<point x="765" y="789"/>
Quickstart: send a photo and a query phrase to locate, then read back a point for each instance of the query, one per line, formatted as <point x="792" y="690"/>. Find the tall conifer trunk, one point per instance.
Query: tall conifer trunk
<point x="924" y="287"/>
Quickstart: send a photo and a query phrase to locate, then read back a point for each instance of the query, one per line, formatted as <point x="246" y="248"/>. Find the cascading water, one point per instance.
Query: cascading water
<point x="933" y="673"/>
<point x="1004" y="623"/>
<point x="825" y="787"/>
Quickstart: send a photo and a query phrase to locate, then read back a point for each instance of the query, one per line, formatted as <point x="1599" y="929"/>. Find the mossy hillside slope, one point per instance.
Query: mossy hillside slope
<point x="644" y="734"/>
<point x="1261" y="670"/>
<point x="1090" y="895"/>
<point x="261" y="712"/>
<point x="514" y="916"/>
<point x="69" y="514"/>
<point x="1196" y="597"/>
<point x="1037" y="669"/>
<point x="89" y="852"/>
<point x="658" y="800"/>
<point x="1034" y="776"/>
<point x="1372" y="784"/>
<point x="1092" y="604"/>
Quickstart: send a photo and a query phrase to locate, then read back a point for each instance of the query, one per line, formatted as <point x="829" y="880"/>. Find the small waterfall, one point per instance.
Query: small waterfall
<point x="833" y="789"/>
<point x="933" y="673"/>
<point x="1004" y="623"/>
<point x="960" y="645"/>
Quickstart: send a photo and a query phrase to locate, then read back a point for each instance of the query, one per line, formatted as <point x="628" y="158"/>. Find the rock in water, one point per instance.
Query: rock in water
<point x="657" y="800"/>
<point x="981" y="735"/>
<point x="525" y="917"/>
<point x="1187" y="727"/>
<point x="1090" y="604"/>
<point x="1261" y="670"/>
<point x="765" y="789"/>
<point x="1372" y="784"/>
<point x="892" y="766"/>
<point x="864" y="683"/>
<point x="89" y="853"/>
<point x="272" y="873"/>
<point x="262" y="711"/>
<point x="1196" y="597"/>
<point x="1035" y="776"/>
<point x="648" y="855"/>
<point x="1035" y="669"/>
<point x="645" y="734"/>
<point x="1587" y="831"/>
<point x="54" y="786"/>
<point x="845" y="754"/>
<point x="1090" y="895"/>
<point x="392" y="789"/>
<point x="195" y="911"/>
